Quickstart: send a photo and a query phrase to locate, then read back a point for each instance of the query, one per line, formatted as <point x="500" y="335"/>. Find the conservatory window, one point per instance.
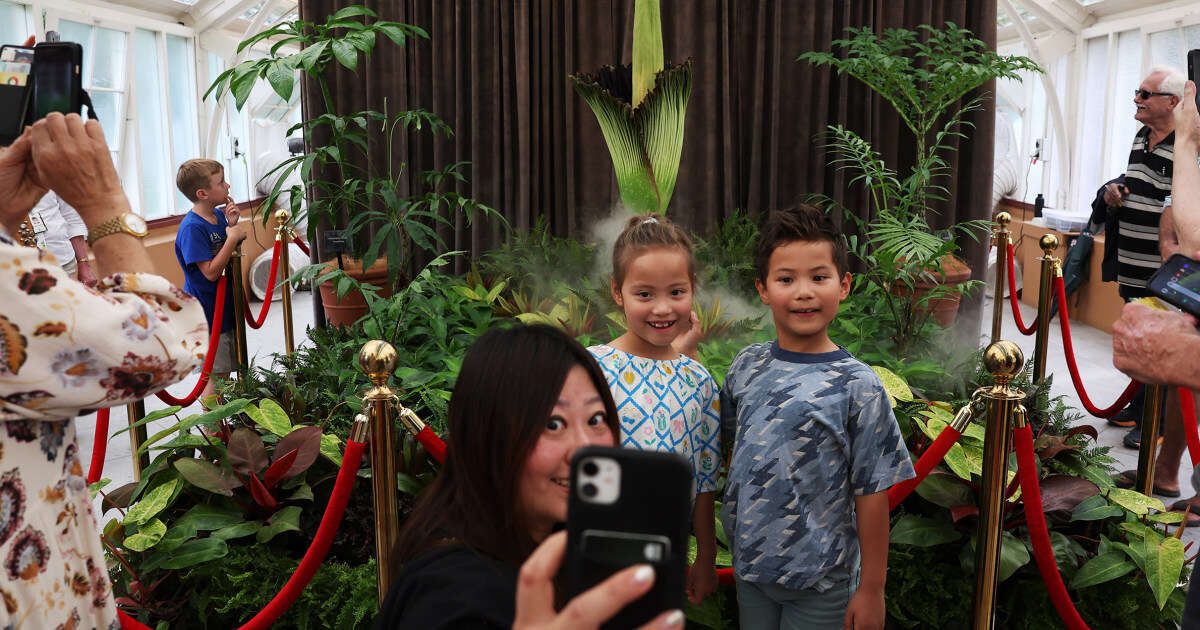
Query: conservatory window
<point x="14" y="23"/>
<point x="103" y="75"/>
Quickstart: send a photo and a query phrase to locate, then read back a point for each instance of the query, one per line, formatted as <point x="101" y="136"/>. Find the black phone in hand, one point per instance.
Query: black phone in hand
<point x="1177" y="282"/>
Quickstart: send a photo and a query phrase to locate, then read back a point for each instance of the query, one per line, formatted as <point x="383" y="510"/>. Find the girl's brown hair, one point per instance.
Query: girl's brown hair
<point x="508" y="385"/>
<point x="645" y="232"/>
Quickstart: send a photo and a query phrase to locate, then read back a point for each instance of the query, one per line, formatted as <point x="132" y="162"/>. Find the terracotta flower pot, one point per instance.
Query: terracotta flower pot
<point x="352" y="306"/>
<point x="943" y="309"/>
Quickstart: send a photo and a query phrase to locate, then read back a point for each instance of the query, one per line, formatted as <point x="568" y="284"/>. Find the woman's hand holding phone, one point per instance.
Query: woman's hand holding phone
<point x="535" y="594"/>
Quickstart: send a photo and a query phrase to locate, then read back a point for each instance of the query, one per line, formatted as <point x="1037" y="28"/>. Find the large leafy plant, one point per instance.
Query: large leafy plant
<point x="347" y="188"/>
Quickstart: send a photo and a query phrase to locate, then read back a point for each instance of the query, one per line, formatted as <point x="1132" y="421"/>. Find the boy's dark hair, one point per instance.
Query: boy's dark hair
<point x="196" y="174"/>
<point x="508" y="385"/>
<point x="804" y="222"/>
<point x="649" y="231"/>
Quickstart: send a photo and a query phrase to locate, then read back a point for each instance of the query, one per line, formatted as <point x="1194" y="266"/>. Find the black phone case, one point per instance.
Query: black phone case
<point x="655" y="500"/>
<point x="15" y="104"/>
<point x="76" y="89"/>
<point x="1160" y="282"/>
<point x="1193" y="60"/>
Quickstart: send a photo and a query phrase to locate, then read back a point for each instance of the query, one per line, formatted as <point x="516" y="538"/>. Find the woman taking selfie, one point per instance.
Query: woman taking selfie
<point x="526" y="398"/>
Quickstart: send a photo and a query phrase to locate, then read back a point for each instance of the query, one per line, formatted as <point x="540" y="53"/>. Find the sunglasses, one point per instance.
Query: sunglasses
<point x="1145" y="94"/>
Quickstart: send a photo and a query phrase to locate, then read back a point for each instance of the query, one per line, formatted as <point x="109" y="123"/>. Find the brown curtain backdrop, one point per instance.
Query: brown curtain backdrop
<point x="497" y="73"/>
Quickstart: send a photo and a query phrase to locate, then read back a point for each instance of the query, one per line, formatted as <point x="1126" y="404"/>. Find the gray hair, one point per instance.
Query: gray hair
<point x="1173" y="79"/>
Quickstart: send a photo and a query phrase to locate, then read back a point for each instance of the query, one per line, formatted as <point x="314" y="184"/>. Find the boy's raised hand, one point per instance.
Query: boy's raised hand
<point x="866" y="611"/>
<point x="232" y="213"/>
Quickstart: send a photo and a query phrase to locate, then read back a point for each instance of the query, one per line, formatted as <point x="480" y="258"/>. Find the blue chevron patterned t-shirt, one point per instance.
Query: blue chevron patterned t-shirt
<point x="810" y="432"/>
<point x="666" y="406"/>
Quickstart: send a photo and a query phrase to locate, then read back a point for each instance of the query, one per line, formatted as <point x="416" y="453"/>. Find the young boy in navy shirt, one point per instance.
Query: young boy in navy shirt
<point x="207" y="237"/>
<point x="815" y="447"/>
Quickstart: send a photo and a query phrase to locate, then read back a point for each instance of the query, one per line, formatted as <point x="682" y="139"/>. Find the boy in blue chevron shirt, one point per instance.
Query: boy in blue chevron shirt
<point x="815" y="446"/>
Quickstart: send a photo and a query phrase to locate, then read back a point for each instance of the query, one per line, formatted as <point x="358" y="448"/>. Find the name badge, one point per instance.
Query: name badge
<point x="35" y="220"/>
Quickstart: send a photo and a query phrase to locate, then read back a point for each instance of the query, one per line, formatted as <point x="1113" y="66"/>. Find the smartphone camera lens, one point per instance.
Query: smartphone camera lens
<point x="590" y="468"/>
<point x="589" y="490"/>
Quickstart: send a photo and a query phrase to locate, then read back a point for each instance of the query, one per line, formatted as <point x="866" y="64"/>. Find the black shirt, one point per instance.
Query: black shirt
<point x="451" y="588"/>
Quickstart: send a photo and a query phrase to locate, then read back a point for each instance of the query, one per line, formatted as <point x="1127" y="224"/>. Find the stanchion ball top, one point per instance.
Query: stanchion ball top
<point x="377" y="359"/>
<point x="1048" y="243"/>
<point x="1003" y="218"/>
<point x="283" y="215"/>
<point x="1003" y="359"/>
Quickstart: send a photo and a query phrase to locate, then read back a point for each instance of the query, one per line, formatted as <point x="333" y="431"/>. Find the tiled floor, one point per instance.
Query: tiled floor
<point x="1103" y="383"/>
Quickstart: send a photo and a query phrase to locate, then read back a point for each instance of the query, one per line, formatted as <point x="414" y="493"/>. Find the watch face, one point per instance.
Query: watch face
<point x="134" y="223"/>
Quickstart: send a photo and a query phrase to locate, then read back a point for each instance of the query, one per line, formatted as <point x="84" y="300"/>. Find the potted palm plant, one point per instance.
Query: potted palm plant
<point x="925" y="75"/>
<point x="349" y="187"/>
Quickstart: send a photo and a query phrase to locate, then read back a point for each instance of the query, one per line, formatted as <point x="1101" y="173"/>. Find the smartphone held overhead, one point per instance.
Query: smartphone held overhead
<point x="37" y="81"/>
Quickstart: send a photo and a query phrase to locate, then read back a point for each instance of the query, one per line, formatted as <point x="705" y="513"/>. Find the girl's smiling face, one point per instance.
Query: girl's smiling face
<point x="656" y="295"/>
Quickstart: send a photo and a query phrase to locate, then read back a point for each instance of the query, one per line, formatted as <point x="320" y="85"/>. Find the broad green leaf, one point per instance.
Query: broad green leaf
<point x="351" y="11"/>
<point x="147" y="536"/>
<point x="270" y="416"/>
<point x="331" y="448"/>
<point x="945" y="490"/>
<point x="1095" y="508"/>
<point x="208" y="517"/>
<point x="224" y="411"/>
<point x="175" y="537"/>
<point x="345" y="53"/>
<point x="1163" y="564"/>
<point x="302" y="493"/>
<point x="1013" y="555"/>
<point x="974" y="431"/>
<point x="155" y="500"/>
<point x="1165" y="517"/>
<point x="895" y="386"/>
<point x="1101" y="569"/>
<point x="238" y="530"/>
<point x="150" y="417"/>
<point x="205" y="475"/>
<point x="1134" y="501"/>
<point x="922" y="532"/>
<point x="194" y="552"/>
<point x="287" y="519"/>
<point x="282" y="79"/>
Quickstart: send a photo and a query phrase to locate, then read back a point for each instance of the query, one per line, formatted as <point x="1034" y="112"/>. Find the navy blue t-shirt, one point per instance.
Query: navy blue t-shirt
<point x="198" y="241"/>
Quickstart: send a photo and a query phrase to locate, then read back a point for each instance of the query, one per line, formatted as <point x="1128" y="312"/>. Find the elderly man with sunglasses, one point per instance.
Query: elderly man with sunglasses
<point x="1136" y="199"/>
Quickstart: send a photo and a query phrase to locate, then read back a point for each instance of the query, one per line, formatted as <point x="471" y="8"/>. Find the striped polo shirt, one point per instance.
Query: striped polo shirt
<point x="1149" y="182"/>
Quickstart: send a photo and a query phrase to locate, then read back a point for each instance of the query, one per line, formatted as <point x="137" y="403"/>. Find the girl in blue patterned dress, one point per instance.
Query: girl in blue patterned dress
<point x="666" y="401"/>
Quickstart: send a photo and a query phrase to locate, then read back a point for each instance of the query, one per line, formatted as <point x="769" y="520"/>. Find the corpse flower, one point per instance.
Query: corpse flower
<point x="640" y="108"/>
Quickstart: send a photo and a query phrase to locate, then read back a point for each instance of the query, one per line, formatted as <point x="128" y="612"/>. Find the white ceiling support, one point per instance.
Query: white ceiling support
<point x="214" y="123"/>
<point x="1159" y="17"/>
<point x="222" y="13"/>
<point x="1068" y="16"/>
<point x="1062" y="139"/>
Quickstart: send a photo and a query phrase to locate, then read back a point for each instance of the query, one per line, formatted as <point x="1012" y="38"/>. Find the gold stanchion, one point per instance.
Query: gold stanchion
<point x="1001" y="237"/>
<point x="239" y="310"/>
<point x="1152" y="413"/>
<point x="378" y="359"/>
<point x="283" y="233"/>
<point x="1051" y="268"/>
<point x="1003" y="360"/>
<point x="137" y="437"/>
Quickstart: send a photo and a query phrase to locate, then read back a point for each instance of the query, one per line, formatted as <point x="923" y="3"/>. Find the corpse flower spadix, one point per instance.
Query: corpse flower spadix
<point x="641" y="111"/>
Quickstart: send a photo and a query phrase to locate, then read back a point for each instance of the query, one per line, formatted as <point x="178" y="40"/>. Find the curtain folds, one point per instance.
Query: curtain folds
<point x="497" y="73"/>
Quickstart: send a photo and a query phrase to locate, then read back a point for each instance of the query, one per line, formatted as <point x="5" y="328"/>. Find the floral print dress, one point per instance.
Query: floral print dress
<point x="66" y="349"/>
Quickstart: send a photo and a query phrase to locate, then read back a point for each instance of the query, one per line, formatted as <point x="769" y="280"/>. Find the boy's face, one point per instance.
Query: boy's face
<point x="803" y="291"/>
<point x="216" y="191"/>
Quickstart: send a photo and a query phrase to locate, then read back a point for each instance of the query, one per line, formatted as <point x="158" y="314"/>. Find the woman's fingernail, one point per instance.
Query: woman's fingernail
<point x="674" y="619"/>
<point x="644" y="573"/>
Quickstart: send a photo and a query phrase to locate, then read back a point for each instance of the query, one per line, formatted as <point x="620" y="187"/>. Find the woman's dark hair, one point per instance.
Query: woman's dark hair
<point x="506" y="390"/>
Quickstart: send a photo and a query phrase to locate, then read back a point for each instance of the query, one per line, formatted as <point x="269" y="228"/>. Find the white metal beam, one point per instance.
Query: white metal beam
<point x="1070" y="17"/>
<point x="214" y="124"/>
<point x="222" y="13"/>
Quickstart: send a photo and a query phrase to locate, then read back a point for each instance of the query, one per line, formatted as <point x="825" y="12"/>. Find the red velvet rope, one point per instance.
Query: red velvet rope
<point x="1012" y="295"/>
<point x="313" y="558"/>
<point x="1069" y="350"/>
<point x="1188" y="408"/>
<point x="266" y="305"/>
<point x="99" y="446"/>
<point x="302" y="245"/>
<point x="433" y="444"/>
<point x="1035" y="517"/>
<point x="929" y="459"/>
<point x="214" y="339"/>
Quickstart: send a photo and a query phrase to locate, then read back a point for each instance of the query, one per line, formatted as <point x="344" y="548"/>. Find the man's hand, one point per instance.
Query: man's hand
<point x="866" y="611"/>
<point x="1145" y="341"/>
<point x="232" y="213"/>
<point x="1187" y="119"/>
<point x="19" y="181"/>
<point x="85" y="274"/>
<point x="1113" y="196"/>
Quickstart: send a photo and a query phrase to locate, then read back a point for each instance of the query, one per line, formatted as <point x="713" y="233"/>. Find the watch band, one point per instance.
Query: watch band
<point x="108" y="228"/>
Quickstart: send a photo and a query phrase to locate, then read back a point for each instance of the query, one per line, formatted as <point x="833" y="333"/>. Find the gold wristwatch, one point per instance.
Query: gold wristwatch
<point x="128" y="223"/>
